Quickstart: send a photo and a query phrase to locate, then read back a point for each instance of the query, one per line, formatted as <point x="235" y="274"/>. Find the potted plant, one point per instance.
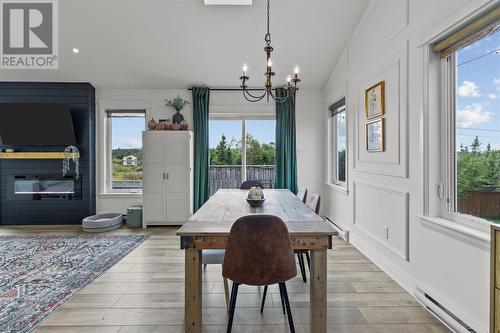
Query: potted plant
<point x="178" y="104"/>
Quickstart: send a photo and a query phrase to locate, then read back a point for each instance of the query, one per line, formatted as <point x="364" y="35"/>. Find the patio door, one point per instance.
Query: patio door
<point x="234" y="159"/>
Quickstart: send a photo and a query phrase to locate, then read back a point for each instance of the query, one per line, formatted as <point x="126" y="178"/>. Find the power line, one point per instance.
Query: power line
<point x="479" y="129"/>
<point x="481" y="56"/>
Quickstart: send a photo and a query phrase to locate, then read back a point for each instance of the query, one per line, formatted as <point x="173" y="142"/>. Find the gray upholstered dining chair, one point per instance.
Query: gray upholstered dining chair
<point x="216" y="257"/>
<point x="248" y="184"/>
<point x="302" y="194"/>
<point x="252" y="258"/>
<point x="314" y="202"/>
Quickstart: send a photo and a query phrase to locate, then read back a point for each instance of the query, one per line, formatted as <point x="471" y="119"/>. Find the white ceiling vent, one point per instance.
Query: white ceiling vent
<point x="228" y="2"/>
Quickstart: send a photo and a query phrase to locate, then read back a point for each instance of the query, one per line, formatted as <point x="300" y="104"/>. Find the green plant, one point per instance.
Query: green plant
<point x="177" y="103"/>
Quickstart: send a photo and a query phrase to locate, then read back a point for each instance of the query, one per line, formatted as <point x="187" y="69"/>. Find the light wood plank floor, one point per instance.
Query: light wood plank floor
<point x="144" y="293"/>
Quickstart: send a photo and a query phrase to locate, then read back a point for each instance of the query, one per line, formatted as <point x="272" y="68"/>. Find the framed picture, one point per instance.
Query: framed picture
<point x="374" y="100"/>
<point x="375" y="132"/>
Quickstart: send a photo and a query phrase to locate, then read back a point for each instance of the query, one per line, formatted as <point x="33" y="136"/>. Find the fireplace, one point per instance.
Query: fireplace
<point x="44" y="187"/>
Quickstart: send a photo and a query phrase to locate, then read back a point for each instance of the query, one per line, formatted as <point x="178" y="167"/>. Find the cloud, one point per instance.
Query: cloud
<point x="472" y="115"/>
<point x="468" y="89"/>
<point x="133" y="143"/>
<point x="492" y="96"/>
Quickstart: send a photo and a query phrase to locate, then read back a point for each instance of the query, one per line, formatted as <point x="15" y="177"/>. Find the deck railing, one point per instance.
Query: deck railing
<point x="229" y="176"/>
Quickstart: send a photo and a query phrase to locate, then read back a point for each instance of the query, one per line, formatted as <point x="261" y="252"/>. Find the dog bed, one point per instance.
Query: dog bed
<point x="102" y="222"/>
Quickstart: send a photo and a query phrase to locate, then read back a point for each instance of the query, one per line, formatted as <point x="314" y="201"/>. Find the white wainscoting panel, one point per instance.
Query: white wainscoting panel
<point x="376" y="208"/>
<point x="393" y="161"/>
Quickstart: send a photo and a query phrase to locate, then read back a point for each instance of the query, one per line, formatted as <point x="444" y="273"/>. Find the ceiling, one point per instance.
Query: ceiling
<point x="180" y="43"/>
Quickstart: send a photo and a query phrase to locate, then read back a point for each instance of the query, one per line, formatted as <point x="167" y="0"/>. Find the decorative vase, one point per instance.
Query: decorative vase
<point x="176" y="127"/>
<point x="178" y="117"/>
<point x="184" y="125"/>
<point x="161" y="126"/>
<point x="168" y="125"/>
<point x="152" y="124"/>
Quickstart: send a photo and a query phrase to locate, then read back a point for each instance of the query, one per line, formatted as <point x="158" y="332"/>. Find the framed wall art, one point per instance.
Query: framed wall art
<point x="374" y="100"/>
<point x="375" y="135"/>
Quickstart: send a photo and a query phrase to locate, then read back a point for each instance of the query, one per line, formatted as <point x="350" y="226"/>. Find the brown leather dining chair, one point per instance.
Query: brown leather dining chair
<point x="259" y="252"/>
<point x="302" y="194"/>
<point x="248" y="184"/>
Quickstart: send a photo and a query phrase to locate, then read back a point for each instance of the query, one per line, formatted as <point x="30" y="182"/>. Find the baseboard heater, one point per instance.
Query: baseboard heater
<point x="442" y="313"/>
<point x="344" y="234"/>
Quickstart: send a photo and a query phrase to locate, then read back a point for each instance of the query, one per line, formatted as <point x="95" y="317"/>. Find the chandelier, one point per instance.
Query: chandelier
<point x="291" y="87"/>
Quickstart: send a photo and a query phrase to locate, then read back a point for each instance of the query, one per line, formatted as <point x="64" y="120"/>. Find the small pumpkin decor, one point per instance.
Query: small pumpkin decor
<point x="152" y="124"/>
<point x="178" y="119"/>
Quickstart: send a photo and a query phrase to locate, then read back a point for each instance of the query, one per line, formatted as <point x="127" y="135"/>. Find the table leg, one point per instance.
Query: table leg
<point x="318" y="291"/>
<point x="192" y="311"/>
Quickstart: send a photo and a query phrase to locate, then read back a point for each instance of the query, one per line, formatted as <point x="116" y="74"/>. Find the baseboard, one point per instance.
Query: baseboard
<point x="401" y="277"/>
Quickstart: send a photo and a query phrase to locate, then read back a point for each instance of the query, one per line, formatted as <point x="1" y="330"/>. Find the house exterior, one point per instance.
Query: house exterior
<point x="129" y="161"/>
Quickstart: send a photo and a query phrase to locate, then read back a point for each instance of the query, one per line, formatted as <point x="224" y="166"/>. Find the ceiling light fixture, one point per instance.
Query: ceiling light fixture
<point x="268" y="93"/>
<point x="75" y="50"/>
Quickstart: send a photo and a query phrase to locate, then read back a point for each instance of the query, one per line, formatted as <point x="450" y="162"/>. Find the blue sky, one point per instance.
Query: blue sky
<point x="262" y="130"/>
<point x="478" y="93"/>
<point x="127" y="132"/>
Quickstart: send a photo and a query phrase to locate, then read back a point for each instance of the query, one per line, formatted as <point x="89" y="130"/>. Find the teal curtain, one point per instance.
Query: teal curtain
<point x="201" y="99"/>
<point x="286" y="154"/>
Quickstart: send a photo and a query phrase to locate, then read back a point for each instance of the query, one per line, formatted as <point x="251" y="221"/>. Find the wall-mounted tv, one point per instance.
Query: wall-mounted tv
<point x="27" y="124"/>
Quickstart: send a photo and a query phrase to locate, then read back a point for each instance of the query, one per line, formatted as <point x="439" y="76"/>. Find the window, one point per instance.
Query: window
<point x="472" y="100"/>
<point x="338" y="144"/>
<point x="234" y="160"/>
<point x="124" y="153"/>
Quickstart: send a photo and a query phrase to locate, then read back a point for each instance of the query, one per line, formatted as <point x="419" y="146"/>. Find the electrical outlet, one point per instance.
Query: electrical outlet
<point x="386" y="232"/>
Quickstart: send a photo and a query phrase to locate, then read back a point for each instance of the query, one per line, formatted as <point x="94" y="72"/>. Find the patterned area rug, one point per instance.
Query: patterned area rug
<point x="40" y="273"/>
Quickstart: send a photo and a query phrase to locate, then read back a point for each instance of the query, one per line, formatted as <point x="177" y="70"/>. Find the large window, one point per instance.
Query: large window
<point x="234" y="160"/>
<point x="124" y="160"/>
<point x="338" y="143"/>
<point x="472" y="95"/>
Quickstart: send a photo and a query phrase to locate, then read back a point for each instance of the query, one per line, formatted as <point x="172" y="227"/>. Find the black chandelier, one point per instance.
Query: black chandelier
<point x="291" y="87"/>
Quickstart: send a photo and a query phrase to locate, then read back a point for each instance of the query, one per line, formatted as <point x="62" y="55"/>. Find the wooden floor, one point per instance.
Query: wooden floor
<point x="144" y="292"/>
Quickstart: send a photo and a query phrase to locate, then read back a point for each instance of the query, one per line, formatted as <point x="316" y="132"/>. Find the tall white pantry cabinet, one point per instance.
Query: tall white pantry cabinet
<point x="167" y="164"/>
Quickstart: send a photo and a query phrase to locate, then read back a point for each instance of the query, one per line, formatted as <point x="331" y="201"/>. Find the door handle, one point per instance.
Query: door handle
<point x="164" y="175"/>
<point x="167" y="175"/>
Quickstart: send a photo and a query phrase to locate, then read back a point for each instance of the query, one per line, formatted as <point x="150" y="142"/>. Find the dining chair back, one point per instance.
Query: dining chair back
<point x="302" y="194"/>
<point x="248" y="184"/>
<point x="259" y="252"/>
<point x="314" y="202"/>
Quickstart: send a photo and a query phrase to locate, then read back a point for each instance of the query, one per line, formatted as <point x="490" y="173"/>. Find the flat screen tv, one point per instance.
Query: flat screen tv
<point x="26" y="124"/>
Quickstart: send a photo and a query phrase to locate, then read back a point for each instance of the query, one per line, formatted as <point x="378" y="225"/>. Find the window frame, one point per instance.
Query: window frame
<point x="448" y="173"/>
<point x="333" y="142"/>
<point x="108" y="151"/>
<point x="243" y="118"/>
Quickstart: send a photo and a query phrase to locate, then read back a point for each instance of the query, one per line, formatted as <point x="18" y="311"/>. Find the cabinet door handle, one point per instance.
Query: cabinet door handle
<point x="164" y="175"/>
<point x="167" y="175"/>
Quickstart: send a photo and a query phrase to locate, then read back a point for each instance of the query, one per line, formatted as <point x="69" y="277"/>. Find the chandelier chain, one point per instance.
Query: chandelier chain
<point x="267" y="38"/>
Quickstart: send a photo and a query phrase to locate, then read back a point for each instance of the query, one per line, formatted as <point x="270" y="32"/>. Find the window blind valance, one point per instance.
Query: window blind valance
<point x="126" y="113"/>
<point x="475" y="30"/>
<point x="337" y="107"/>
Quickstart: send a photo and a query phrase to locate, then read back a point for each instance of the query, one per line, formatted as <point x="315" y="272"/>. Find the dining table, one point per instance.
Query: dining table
<point x="210" y="226"/>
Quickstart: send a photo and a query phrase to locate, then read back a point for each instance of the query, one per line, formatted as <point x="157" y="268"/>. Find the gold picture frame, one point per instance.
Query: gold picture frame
<point x="375" y="100"/>
<point x="375" y="135"/>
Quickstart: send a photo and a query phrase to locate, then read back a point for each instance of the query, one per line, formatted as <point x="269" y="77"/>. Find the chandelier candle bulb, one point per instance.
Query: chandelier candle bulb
<point x="245" y="69"/>
<point x="296" y="70"/>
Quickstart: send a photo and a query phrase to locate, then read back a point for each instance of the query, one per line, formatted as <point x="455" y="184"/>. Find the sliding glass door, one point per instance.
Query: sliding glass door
<point x="234" y="160"/>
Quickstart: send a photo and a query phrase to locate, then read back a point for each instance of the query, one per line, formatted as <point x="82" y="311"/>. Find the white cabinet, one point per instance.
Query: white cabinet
<point x="167" y="177"/>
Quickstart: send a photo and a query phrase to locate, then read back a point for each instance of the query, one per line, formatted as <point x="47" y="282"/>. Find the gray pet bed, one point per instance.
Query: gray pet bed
<point x="102" y="222"/>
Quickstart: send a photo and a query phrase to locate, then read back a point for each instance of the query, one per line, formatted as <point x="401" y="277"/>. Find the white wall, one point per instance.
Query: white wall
<point x="389" y="189"/>
<point x="309" y="110"/>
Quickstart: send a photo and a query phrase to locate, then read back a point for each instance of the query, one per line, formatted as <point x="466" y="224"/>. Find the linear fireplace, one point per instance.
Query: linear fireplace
<point x="44" y="187"/>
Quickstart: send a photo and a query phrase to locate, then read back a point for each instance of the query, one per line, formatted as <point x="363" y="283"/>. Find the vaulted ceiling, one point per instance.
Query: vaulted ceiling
<point x="178" y="43"/>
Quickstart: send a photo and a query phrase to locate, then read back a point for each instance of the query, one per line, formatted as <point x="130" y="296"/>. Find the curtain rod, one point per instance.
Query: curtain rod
<point x="235" y="89"/>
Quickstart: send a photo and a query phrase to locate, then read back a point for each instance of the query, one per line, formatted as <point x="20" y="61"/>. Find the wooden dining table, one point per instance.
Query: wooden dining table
<point x="209" y="228"/>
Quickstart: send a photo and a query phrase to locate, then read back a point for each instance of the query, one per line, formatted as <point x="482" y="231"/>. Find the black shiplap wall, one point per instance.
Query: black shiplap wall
<point x="81" y="98"/>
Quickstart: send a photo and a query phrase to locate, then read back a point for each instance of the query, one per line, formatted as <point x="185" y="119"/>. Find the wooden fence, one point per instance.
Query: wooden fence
<point x="229" y="176"/>
<point x="482" y="204"/>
